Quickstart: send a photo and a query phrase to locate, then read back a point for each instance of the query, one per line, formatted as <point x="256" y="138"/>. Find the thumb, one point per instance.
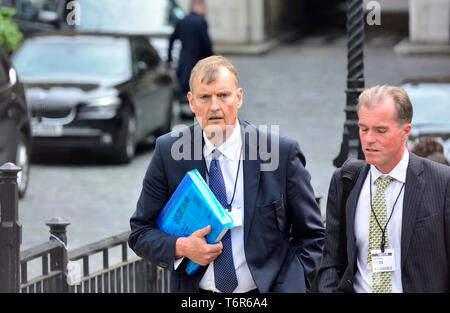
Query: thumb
<point x="203" y="232"/>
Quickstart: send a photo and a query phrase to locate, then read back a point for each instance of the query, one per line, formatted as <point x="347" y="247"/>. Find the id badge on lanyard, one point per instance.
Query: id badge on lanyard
<point x="383" y="261"/>
<point x="236" y="215"/>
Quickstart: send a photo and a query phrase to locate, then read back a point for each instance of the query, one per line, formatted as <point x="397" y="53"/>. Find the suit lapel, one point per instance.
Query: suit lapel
<point x="251" y="165"/>
<point x="196" y="160"/>
<point x="411" y="202"/>
<point x="350" y="210"/>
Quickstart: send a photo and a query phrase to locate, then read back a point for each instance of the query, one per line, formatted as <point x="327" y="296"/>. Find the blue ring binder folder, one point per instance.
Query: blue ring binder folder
<point x="193" y="206"/>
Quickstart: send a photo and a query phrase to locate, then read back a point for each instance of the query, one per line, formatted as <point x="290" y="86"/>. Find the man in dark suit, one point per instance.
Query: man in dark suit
<point x="278" y="246"/>
<point x="395" y="226"/>
<point x="192" y="31"/>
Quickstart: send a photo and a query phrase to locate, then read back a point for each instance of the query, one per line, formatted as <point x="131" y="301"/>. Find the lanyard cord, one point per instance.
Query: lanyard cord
<point x="235" y="181"/>
<point x="383" y="231"/>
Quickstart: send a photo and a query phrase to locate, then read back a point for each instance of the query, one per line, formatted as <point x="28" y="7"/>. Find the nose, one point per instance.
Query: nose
<point x="214" y="104"/>
<point x="369" y="138"/>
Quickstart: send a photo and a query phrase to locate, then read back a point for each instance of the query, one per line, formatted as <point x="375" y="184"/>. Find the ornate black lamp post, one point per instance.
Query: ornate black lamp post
<point x="351" y="146"/>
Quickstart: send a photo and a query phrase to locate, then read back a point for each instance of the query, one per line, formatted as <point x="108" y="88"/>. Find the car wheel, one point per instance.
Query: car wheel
<point x="126" y="143"/>
<point x="23" y="161"/>
<point x="168" y="124"/>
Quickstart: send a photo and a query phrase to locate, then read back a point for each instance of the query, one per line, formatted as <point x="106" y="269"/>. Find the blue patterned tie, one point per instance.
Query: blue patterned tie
<point x="224" y="272"/>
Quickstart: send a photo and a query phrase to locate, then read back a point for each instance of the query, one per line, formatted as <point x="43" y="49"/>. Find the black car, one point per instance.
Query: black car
<point x="107" y="92"/>
<point x="15" y="132"/>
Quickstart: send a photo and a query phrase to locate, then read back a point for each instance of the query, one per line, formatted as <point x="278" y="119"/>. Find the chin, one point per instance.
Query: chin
<point x="370" y="160"/>
<point x="214" y="128"/>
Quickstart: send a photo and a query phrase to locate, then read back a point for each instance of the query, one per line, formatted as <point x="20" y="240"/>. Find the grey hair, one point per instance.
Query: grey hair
<point x="403" y="107"/>
<point x="209" y="67"/>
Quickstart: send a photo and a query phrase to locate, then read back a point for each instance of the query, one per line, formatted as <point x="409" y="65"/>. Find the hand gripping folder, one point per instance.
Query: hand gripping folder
<point x="193" y="206"/>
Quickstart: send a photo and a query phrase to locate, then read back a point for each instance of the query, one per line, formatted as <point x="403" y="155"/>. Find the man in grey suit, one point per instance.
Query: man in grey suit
<point x="277" y="243"/>
<point x="395" y="223"/>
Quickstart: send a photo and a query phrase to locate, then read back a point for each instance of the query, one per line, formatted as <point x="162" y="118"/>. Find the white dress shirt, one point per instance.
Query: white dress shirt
<point x="229" y="162"/>
<point x="363" y="275"/>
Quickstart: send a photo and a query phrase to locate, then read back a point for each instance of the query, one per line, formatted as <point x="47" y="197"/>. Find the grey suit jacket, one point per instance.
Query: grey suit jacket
<point x="283" y="229"/>
<point x="425" y="237"/>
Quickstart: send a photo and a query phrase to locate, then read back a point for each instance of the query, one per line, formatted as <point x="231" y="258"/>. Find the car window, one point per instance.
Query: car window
<point x="73" y="57"/>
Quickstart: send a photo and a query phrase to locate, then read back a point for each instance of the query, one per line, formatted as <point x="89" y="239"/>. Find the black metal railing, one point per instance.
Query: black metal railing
<point x="51" y="279"/>
<point x="10" y="229"/>
<point x="128" y="275"/>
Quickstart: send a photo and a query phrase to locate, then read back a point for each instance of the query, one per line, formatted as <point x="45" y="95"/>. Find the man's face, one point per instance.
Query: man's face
<point x="216" y="105"/>
<point x="383" y="140"/>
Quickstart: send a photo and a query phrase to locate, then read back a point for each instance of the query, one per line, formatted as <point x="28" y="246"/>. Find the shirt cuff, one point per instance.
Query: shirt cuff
<point x="177" y="263"/>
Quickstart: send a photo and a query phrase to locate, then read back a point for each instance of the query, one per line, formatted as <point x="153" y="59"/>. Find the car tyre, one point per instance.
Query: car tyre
<point x="126" y="140"/>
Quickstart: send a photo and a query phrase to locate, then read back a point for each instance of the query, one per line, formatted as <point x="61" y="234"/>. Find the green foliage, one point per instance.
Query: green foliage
<point x="10" y="35"/>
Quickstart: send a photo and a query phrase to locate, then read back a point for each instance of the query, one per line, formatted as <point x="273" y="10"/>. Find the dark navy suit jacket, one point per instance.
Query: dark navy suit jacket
<point x="196" y="45"/>
<point x="283" y="228"/>
<point x="425" y="238"/>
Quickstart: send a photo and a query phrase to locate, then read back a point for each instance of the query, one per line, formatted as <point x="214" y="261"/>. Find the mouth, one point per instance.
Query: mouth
<point x="215" y="118"/>
<point x="371" y="150"/>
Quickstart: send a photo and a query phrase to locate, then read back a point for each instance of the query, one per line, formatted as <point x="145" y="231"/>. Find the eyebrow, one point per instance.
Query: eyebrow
<point x="218" y="92"/>
<point x="376" y="127"/>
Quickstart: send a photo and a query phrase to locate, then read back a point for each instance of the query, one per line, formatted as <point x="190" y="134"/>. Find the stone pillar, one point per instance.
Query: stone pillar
<point x="429" y="28"/>
<point x="429" y="21"/>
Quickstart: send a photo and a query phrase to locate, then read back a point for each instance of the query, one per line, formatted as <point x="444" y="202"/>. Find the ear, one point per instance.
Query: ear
<point x="407" y="130"/>
<point x="191" y="100"/>
<point x="240" y="96"/>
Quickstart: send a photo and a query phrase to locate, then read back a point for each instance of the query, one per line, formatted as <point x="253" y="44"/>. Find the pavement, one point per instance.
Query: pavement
<point x="299" y="86"/>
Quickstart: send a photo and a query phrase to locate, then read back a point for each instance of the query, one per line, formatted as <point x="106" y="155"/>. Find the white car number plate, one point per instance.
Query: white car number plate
<point x="46" y="130"/>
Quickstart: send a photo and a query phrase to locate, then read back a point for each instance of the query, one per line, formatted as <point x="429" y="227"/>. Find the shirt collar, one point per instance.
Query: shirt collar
<point x="398" y="172"/>
<point x="229" y="148"/>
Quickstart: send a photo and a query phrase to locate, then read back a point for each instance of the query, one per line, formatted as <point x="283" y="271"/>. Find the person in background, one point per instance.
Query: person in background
<point x="192" y="31"/>
<point x="431" y="149"/>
